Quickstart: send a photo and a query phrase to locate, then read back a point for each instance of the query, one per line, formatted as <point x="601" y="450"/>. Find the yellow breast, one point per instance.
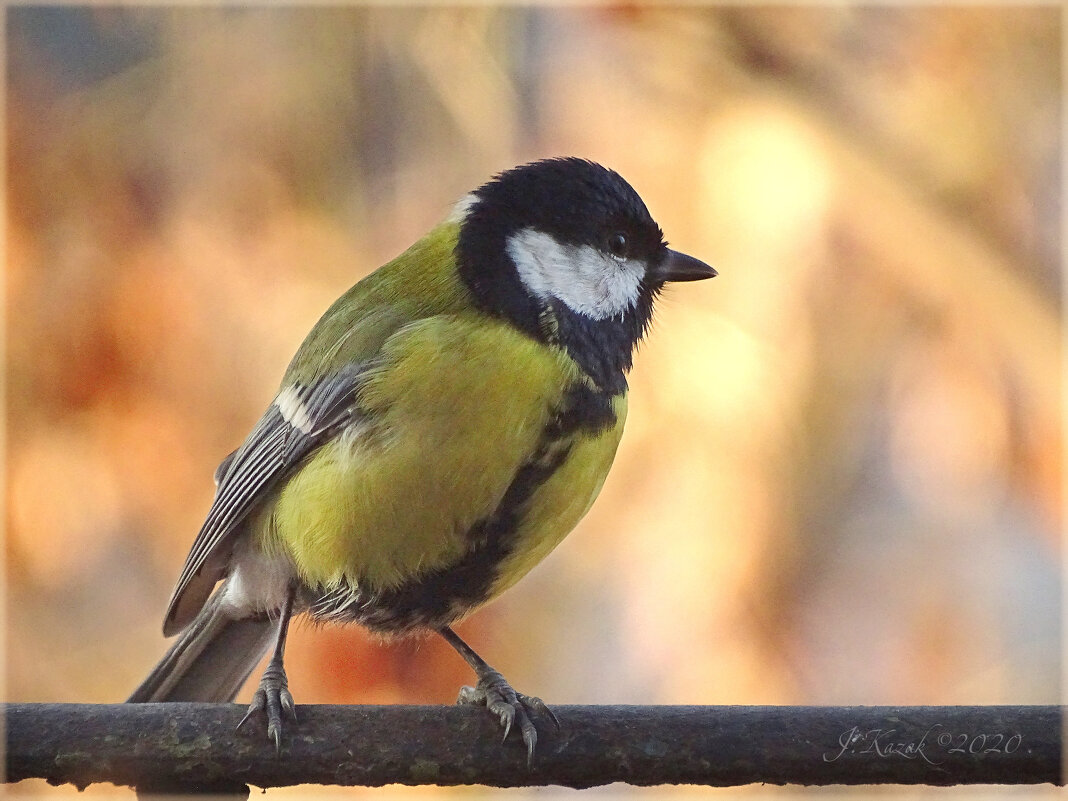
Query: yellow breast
<point x="454" y="407"/>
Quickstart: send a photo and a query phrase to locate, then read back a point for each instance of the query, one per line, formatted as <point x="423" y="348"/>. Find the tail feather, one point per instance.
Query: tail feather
<point x="211" y="659"/>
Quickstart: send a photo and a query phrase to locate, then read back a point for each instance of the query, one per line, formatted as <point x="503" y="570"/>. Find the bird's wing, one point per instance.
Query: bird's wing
<point x="317" y="399"/>
<point x="301" y="418"/>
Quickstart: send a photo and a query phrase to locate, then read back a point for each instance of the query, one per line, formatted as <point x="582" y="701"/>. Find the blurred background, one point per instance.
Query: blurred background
<point x="840" y="482"/>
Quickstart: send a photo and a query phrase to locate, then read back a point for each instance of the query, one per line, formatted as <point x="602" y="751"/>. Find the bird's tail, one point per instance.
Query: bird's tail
<point x="211" y="660"/>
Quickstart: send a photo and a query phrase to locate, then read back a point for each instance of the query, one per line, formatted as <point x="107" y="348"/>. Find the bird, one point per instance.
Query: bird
<point x="442" y="428"/>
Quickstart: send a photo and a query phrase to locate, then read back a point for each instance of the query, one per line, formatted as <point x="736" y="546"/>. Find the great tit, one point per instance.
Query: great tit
<point x="442" y="428"/>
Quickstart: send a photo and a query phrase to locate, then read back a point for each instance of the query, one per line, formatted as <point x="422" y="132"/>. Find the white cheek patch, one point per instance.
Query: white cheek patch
<point x="585" y="279"/>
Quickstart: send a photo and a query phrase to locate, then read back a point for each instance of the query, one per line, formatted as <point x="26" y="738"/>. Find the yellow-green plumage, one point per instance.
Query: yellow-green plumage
<point x="453" y="405"/>
<point x="419" y="283"/>
<point x="565" y="497"/>
<point x="457" y="408"/>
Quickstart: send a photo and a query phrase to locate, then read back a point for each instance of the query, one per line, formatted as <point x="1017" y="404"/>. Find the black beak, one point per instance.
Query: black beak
<point x="680" y="267"/>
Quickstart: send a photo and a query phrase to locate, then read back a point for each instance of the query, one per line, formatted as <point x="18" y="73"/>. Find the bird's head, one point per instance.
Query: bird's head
<point x="566" y="250"/>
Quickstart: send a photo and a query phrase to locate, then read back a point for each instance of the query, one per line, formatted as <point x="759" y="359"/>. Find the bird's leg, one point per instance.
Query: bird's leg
<point x="273" y="695"/>
<point x="497" y="695"/>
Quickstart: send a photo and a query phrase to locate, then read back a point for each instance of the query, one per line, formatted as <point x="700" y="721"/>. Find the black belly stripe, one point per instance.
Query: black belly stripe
<point x="437" y="598"/>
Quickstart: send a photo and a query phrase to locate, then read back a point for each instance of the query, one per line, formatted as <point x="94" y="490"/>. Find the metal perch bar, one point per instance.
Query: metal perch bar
<point x="194" y="747"/>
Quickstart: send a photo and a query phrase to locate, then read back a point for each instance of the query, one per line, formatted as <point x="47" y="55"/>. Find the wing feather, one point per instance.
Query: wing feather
<point x="301" y="418"/>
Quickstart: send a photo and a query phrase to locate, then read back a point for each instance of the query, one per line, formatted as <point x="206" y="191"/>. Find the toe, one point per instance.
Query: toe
<point x="290" y="708"/>
<point x="274" y="733"/>
<point x="505" y="712"/>
<point x="530" y="734"/>
<point x="509" y="707"/>
<point x="259" y="703"/>
<point x="274" y="700"/>
<point x="539" y="707"/>
<point x="470" y="696"/>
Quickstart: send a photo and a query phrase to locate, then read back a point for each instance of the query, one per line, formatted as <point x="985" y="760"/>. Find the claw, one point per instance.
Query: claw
<point x="531" y="741"/>
<point x="530" y="737"/>
<point x="504" y="711"/>
<point x="273" y="698"/>
<point x="494" y="693"/>
<point x="510" y="707"/>
<point x="290" y="708"/>
<point x="534" y="703"/>
<point x="259" y="703"/>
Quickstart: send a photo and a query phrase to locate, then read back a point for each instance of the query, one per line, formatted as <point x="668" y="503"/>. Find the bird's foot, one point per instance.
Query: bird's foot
<point x="510" y="707"/>
<point x="273" y="698"/>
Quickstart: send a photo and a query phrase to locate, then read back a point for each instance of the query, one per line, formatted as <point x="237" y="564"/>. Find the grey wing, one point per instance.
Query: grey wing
<point x="301" y="418"/>
<point x="224" y="465"/>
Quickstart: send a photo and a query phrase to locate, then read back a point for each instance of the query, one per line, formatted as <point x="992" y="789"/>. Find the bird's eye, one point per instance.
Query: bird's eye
<point x="617" y="245"/>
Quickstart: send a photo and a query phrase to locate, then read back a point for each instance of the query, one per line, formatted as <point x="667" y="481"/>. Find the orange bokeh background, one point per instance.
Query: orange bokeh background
<point x="840" y="482"/>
